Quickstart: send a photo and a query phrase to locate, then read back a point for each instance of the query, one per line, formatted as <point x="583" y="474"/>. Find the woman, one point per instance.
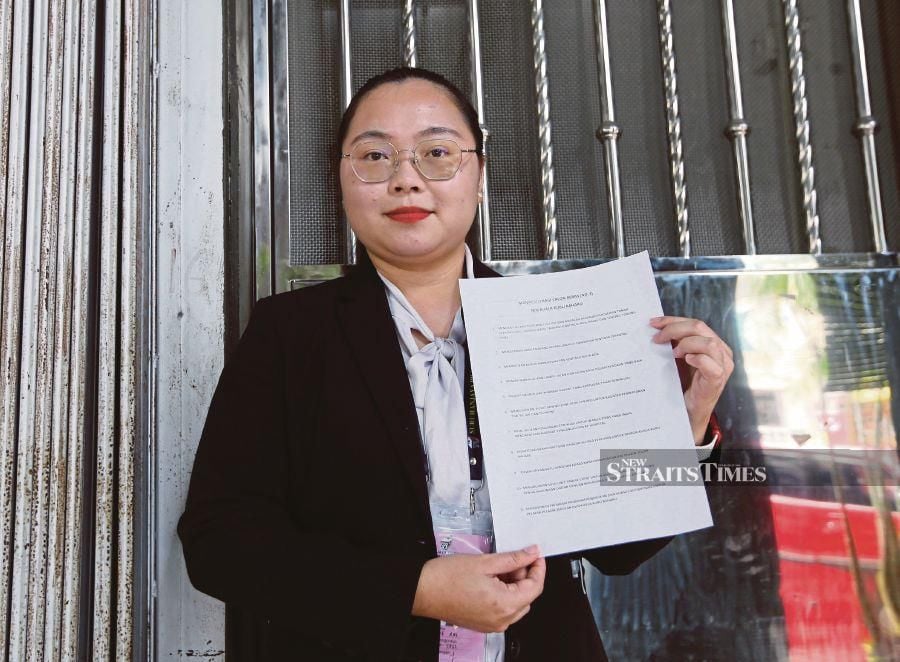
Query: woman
<point x="313" y="503"/>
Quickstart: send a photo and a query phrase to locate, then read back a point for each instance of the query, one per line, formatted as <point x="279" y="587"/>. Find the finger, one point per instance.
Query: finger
<point x="697" y="345"/>
<point x="682" y="329"/>
<point x="507" y="562"/>
<point x="704" y="330"/>
<point x="709" y="369"/>
<point x="533" y="585"/>
<point x="715" y="349"/>
<point x="514" y="576"/>
<point x="663" y="320"/>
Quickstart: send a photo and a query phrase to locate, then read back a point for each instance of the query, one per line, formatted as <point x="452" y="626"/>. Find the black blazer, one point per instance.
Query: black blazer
<point x="308" y="504"/>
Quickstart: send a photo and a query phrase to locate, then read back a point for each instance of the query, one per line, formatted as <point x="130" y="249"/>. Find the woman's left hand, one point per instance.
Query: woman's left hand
<point x="704" y="362"/>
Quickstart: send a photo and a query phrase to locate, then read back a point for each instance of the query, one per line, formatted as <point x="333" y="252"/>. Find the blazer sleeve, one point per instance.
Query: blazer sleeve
<point x="242" y="545"/>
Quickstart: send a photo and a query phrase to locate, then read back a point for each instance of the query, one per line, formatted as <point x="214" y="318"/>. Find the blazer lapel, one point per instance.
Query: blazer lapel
<point x="370" y="332"/>
<point x="371" y="335"/>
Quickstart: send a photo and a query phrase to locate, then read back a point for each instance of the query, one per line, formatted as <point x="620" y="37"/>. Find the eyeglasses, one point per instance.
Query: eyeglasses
<point x="433" y="159"/>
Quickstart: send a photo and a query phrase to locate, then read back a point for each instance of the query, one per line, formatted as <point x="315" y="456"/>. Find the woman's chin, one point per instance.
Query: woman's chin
<point x="415" y="252"/>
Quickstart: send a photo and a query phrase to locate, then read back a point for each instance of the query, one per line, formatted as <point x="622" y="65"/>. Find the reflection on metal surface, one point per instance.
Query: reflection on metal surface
<point x="281" y="139"/>
<point x="262" y="185"/>
<point x="804" y="567"/>
<point x="311" y="274"/>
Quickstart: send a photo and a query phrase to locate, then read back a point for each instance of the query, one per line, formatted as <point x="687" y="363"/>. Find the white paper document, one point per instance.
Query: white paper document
<point x="573" y="396"/>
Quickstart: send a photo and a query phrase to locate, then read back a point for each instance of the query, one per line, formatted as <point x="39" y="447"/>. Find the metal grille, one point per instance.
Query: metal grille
<point x="581" y="204"/>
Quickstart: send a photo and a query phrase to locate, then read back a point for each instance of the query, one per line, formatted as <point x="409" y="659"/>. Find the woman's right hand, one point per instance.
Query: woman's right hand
<point x="482" y="592"/>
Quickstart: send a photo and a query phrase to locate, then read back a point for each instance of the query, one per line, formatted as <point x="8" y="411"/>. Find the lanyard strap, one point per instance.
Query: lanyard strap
<point x="473" y="431"/>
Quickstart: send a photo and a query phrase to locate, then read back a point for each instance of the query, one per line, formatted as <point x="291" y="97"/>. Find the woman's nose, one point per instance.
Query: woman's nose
<point x="406" y="177"/>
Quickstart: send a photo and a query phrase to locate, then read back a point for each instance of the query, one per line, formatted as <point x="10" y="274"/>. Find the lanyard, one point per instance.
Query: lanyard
<point x="473" y="436"/>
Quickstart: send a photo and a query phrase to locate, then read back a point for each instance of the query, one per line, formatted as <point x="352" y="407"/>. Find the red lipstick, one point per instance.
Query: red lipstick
<point x="408" y="214"/>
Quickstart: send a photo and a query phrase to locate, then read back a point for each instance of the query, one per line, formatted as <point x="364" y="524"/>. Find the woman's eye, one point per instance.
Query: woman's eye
<point x="437" y="152"/>
<point x="374" y="156"/>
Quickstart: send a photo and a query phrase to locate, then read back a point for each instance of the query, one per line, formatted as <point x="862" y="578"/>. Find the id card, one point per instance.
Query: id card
<point x="459" y="644"/>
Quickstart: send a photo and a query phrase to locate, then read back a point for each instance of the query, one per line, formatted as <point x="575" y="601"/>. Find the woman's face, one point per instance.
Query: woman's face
<point x="404" y="114"/>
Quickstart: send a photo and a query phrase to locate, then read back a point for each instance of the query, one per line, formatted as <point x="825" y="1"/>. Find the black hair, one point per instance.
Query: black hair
<point x="401" y="74"/>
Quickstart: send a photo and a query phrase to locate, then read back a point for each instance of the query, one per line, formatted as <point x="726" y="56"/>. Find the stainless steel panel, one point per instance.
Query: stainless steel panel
<point x="792" y="567"/>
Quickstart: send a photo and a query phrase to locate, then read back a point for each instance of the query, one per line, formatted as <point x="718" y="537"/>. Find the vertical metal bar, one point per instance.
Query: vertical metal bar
<point x="151" y="463"/>
<point x="107" y="391"/>
<point x="281" y="137"/>
<point x="33" y="355"/>
<point x="80" y="348"/>
<point x="551" y="243"/>
<point x="673" y="128"/>
<point x="346" y="95"/>
<point x="484" y="208"/>
<point x="6" y="10"/>
<point x="56" y="556"/>
<point x="866" y="125"/>
<point x="609" y="131"/>
<point x="801" y="123"/>
<point x="10" y="298"/>
<point x="738" y="128"/>
<point x="32" y="346"/>
<point x="409" y="33"/>
<point x="262" y="183"/>
<point x="132" y="153"/>
<point x="45" y="341"/>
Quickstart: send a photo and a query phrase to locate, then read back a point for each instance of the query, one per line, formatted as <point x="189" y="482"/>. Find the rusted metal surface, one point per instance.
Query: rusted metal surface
<point x="33" y="350"/>
<point x="132" y="163"/>
<point x="10" y="301"/>
<point x="56" y="558"/>
<point x="5" y="55"/>
<point x="80" y="349"/>
<point x="107" y="384"/>
<point x="47" y="193"/>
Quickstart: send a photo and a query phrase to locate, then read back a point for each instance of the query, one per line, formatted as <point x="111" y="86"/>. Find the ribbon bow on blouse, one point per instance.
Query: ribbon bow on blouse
<point x="436" y="373"/>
